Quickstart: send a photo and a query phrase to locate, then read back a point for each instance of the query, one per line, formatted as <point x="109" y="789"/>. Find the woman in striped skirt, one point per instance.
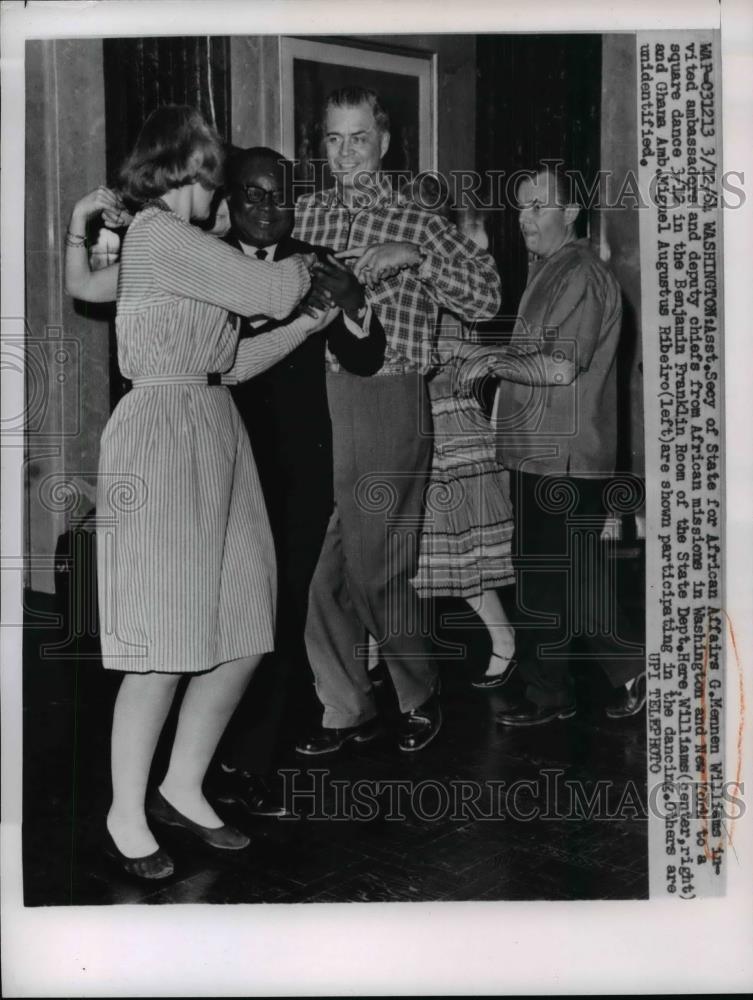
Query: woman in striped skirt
<point x="185" y="558"/>
<point x="466" y="538"/>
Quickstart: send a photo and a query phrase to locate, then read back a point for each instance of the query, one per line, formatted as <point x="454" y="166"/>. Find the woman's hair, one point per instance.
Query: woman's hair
<point x="175" y="147"/>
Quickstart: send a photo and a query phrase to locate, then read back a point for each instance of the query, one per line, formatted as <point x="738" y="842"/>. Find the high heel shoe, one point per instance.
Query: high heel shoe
<point x="156" y="865"/>
<point x="222" y="838"/>
<point x="487" y="682"/>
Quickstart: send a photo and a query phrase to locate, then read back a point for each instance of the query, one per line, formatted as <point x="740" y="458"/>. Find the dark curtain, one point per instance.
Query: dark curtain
<point x="537" y="97"/>
<point x="143" y="73"/>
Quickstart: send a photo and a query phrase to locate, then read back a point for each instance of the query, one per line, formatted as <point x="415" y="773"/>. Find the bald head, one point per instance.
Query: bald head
<point x="260" y="195"/>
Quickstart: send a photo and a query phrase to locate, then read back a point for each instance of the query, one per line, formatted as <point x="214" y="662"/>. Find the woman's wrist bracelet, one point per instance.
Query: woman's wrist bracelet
<point x="74" y="239"/>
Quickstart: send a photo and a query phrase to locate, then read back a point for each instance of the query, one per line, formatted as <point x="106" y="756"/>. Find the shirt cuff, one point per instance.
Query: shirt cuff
<point x="430" y="266"/>
<point x="359" y="328"/>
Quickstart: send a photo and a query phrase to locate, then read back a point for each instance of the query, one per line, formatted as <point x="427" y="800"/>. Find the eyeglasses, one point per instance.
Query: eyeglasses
<point x="257" y="196"/>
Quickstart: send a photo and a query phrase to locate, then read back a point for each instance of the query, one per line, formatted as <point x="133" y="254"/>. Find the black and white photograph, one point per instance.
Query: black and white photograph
<point x="374" y="446"/>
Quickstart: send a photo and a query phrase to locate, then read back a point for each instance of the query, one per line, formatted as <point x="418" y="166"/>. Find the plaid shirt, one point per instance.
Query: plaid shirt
<point x="455" y="274"/>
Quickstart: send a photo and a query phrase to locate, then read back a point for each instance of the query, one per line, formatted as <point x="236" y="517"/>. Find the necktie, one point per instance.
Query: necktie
<point x="261" y="254"/>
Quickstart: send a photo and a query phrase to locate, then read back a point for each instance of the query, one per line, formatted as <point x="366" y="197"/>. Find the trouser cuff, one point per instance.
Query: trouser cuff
<point x="337" y="720"/>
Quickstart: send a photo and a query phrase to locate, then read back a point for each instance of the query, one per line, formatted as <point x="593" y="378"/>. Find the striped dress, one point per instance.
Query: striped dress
<point x="185" y="557"/>
<point x="466" y="540"/>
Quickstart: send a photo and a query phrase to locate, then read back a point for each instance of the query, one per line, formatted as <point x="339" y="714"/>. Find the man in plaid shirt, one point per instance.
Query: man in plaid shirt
<point x="412" y="262"/>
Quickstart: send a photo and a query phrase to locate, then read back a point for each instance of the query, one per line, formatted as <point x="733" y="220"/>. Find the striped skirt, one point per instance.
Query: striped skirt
<point x="185" y="558"/>
<point x="466" y="543"/>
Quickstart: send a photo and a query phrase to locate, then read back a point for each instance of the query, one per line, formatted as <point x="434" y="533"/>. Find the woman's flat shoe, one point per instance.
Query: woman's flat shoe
<point x="157" y="865"/>
<point x="222" y="838"/>
<point x="487" y="682"/>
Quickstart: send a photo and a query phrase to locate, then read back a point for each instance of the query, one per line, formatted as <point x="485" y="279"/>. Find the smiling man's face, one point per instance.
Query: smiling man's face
<point x="261" y="210"/>
<point x="354" y="143"/>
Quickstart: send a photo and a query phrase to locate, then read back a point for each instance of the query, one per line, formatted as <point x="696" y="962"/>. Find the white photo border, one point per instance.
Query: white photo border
<point x="381" y="949"/>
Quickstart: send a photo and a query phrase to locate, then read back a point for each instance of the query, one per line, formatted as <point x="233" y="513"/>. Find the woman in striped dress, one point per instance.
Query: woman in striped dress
<point x="185" y="557"/>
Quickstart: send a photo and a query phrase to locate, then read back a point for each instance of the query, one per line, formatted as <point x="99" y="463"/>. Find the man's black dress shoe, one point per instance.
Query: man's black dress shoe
<point x="419" y="727"/>
<point x="528" y="713"/>
<point x="327" y="741"/>
<point x="488" y="683"/>
<point x="222" y="838"/>
<point x="258" y="796"/>
<point x="629" y="702"/>
<point x="157" y="865"/>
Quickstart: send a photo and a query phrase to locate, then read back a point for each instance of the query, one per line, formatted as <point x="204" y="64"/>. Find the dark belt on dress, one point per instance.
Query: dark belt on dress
<point x="208" y="379"/>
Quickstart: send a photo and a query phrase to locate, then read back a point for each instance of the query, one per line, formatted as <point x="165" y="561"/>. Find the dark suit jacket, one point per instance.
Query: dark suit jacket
<point x="286" y="414"/>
